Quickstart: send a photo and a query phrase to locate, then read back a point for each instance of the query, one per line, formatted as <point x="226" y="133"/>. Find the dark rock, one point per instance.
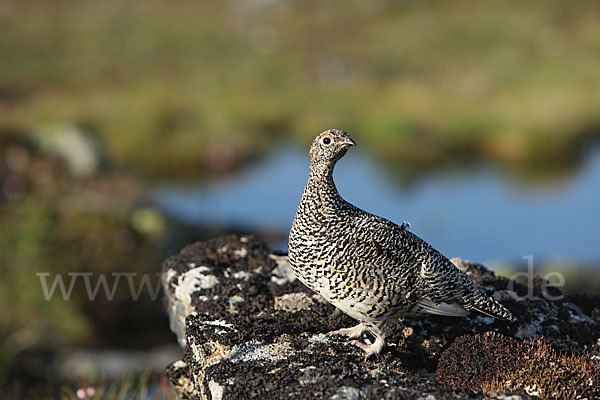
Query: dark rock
<point x="250" y="330"/>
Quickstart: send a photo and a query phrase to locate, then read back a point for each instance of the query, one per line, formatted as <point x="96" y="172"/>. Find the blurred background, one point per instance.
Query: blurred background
<point x="129" y="129"/>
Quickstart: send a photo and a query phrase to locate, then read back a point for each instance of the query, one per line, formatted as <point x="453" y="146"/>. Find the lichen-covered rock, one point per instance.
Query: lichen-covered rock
<point x="250" y="330"/>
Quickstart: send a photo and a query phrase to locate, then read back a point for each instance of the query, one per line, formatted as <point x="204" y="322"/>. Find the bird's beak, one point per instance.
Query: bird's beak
<point x="349" y="142"/>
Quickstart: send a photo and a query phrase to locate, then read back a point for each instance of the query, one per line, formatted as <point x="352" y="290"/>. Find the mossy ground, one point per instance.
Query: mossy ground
<point x="496" y="363"/>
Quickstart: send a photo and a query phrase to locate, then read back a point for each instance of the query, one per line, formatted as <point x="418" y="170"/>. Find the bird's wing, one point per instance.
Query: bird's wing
<point x="412" y="262"/>
<point x="448" y="284"/>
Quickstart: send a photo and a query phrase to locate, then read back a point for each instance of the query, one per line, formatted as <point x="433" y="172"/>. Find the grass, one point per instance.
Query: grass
<point x="146" y="386"/>
<point x="167" y="88"/>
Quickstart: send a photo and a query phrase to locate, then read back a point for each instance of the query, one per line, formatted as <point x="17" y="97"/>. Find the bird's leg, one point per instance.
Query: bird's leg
<point x="353" y="332"/>
<point x="375" y="347"/>
<point x="370" y="349"/>
<point x="367" y="346"/>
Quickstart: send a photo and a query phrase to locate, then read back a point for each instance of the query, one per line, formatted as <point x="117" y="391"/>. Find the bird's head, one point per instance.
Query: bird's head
<point x="329" y="147"/>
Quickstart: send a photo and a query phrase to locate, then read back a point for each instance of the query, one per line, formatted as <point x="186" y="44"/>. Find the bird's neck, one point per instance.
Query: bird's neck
<point x="320" y="186"/>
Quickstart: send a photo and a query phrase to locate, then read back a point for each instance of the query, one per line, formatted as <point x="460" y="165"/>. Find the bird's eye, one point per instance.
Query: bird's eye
<point x="326" y="140"/>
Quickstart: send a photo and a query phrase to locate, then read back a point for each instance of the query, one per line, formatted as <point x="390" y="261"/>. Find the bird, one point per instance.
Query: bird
<point x="368" y="267"/>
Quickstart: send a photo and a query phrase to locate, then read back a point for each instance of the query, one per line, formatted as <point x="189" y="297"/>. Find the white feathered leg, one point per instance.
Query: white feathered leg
<point x="353" y="332"/>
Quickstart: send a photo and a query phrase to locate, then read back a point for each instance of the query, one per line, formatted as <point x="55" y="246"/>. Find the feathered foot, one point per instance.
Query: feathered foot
<point x="370" y="349"/>
<point x="353" y="332"/>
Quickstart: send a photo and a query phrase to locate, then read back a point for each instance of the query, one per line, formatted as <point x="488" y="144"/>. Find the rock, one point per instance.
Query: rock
<point x="248" y="329"/>
<point x="81" y="150"/>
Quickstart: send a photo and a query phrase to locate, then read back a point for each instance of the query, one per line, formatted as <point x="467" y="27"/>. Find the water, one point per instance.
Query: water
<point x="479" y="215"/>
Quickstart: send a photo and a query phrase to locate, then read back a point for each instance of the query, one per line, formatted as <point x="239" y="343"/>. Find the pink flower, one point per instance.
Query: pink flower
<point x="84" y="393"/>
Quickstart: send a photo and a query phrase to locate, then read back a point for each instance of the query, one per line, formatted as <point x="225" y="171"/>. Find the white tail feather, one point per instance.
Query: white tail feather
<point x="450" y="310"/>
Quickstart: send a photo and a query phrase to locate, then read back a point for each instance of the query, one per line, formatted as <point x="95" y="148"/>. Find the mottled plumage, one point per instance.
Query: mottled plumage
<point x="367" y="266"/>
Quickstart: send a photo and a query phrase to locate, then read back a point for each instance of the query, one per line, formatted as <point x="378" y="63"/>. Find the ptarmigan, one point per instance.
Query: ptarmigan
<point x="367" y="266"/>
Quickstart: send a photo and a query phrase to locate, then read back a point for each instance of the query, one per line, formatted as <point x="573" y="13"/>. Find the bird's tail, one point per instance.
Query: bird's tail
<point x="491" y="307"/>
